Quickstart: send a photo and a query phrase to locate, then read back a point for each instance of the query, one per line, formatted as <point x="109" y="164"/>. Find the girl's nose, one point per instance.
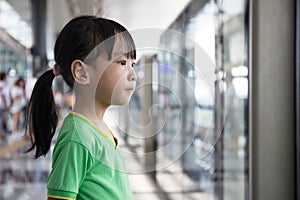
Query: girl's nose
<point x="132" y="75"/>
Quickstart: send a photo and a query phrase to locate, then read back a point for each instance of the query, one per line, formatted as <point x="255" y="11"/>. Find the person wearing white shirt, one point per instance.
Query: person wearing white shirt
<point x="4" y="104"/>
<point x="18" y="97"/>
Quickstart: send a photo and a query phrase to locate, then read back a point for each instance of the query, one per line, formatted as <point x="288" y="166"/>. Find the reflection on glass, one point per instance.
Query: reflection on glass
<point x="234" y="64"/>
<point x="212" y="88"/>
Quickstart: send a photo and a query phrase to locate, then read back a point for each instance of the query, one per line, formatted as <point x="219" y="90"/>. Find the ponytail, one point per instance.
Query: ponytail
<point x="42" y="115"/>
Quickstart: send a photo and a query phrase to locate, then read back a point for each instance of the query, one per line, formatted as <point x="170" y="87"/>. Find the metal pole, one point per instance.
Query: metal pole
<point x="39" y="22"/>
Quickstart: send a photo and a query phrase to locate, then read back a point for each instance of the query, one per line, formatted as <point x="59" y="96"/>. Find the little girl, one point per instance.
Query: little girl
<point x="95" y="57"/>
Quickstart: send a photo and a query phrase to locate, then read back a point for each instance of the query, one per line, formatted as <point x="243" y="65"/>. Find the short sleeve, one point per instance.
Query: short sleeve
<point x="70" y="163"/>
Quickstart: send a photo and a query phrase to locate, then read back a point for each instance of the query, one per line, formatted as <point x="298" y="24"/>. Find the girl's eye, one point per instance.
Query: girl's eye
<point x="133" y="65"/>
<point x="122" y="62"/>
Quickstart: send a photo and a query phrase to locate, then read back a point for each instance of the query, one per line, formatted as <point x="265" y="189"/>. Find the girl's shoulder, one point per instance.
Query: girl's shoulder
<point x="74" y="129"/>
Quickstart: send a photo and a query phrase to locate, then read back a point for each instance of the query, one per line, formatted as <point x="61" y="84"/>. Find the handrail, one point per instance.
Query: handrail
<point x="13" y="147"/>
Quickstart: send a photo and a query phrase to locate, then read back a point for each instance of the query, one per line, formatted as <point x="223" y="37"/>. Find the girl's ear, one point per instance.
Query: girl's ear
<point x="80" y="72"/>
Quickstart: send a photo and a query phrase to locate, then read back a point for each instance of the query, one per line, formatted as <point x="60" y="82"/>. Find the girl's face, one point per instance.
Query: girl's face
<point x="117" y="80"/>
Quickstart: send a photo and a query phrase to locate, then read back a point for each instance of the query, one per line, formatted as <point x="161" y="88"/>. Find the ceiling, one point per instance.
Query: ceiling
<point x="133" y="14"/>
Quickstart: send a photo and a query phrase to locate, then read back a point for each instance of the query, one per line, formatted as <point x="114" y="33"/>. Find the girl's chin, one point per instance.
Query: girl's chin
<point x="120" y="102"/>
<point x="122" y="99"/>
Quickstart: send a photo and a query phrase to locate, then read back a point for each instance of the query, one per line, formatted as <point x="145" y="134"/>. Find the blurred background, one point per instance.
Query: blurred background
<point x="215" y="114"/>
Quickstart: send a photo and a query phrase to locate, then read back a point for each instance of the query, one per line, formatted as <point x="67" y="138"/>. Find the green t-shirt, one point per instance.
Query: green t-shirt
<point x="86" y="164"/>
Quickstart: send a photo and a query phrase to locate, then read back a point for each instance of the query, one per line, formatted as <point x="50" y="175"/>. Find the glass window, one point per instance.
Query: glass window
<point x="204" y="89"/>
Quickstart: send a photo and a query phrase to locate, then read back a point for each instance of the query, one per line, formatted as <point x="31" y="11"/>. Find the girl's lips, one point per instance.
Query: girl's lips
<point x="131" y="89"/>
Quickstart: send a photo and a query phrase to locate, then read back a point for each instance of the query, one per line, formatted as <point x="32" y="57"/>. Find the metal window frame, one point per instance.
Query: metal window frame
<point x="297" y="100"/>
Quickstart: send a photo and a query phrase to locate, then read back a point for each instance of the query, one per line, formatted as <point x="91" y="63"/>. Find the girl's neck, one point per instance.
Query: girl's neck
<point x="95" y="115"/>
<point x="93" y="112"/>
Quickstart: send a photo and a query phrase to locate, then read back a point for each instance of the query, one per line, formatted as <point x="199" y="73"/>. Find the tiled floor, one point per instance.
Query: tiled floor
<point x="22" y="178"/>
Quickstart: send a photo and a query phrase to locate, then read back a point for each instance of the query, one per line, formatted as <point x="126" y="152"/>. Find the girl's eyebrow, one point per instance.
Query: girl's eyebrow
<point x="120" y="55"/>
<point x="117" y="56"/>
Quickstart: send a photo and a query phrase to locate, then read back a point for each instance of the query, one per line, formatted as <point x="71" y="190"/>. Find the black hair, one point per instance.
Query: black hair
<point x="77" y="40"/>
<point x="2" y="76"/>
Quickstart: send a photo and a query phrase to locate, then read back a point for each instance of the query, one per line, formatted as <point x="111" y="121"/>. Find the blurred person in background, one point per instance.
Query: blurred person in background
<point x="60" y="102"/>
<point x="18" y="105"/>
<point x="59" y="99"/>
<point x="30" y="82"/>
<point x="4" y="105"/>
